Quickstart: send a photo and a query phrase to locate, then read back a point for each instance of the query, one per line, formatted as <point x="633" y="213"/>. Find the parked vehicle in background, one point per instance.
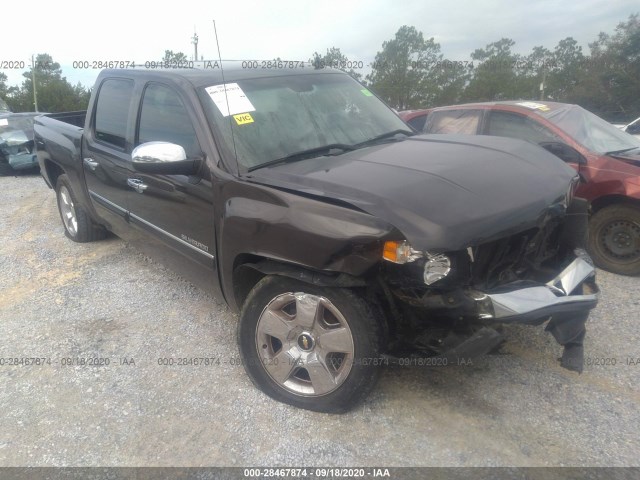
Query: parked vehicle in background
<point x="607" y="159"/>
<point x="633" y="128"/>
<point x="302" y="201"/>
<point x="16" y="143"/>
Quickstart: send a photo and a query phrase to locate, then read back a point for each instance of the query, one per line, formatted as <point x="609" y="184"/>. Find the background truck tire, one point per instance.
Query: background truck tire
<point x="311" y="347"/>
<point x="78" y="226"/>
<point x="614" y="239"/>
<point x="5" y="169"/>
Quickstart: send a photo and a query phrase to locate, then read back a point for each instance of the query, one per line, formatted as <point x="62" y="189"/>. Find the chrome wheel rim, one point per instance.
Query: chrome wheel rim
<point x="621" y="240"/>
<point x="305" y="344"/>
<point x="68" y="211"/>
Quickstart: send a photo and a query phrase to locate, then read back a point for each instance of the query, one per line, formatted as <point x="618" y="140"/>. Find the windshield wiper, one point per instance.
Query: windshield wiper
<point x="331" y="149"/>
<point x="386" y="136"/>
<point x="613" y="152"/>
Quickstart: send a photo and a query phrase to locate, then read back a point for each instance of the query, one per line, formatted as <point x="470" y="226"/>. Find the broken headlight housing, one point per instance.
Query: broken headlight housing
<point x="436" y="266"/>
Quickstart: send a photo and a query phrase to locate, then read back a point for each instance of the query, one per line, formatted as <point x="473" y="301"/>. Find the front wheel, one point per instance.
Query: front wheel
<point x="614" y="239"/>
<point x="312" y="347"/>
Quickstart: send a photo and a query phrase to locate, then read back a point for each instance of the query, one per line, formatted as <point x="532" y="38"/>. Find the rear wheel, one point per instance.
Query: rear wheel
<point x="78" y="226"/>
<point x="312" y="347"/>
<point x="614" y="239"/>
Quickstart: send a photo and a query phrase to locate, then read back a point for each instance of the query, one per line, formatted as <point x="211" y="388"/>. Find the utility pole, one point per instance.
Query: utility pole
<point x="33" y="81"/>
<point x="544" y="79"/>
<point x="194" y="40"/>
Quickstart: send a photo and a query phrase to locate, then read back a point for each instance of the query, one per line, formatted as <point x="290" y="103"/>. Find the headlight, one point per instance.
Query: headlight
<point x="436" y="268"/>
<point x="400" y="252"/>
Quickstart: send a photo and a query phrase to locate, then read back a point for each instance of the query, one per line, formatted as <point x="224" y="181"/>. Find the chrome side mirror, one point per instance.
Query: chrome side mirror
<point x="163" y="158"/>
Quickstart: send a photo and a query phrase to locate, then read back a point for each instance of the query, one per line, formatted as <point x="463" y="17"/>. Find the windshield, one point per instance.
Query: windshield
<point x="272" y="118"/>
<point x="590" y="130"/>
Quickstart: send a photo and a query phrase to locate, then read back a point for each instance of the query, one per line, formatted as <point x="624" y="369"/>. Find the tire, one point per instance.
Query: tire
<point x="322" y="349"/>
<point x="614" y="239"/>
<point x="78" y="226"/>
<point x="6" y="170"/>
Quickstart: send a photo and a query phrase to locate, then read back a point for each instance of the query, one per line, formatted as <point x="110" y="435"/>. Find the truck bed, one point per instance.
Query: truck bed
<point x="60" y="134"/>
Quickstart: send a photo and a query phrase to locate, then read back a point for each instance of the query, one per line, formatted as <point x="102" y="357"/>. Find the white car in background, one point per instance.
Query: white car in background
<point x="633" y="128"/>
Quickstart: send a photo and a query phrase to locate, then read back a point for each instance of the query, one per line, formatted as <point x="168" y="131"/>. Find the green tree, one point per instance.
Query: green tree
<point x="334" y="58"/>
<point x="54" y="92"/>
<point x="406" y="72"/>
<point x="173" y="58"/>
<point x="533" y="70"/>
<point x="3" y="85"/>
<point x="566" y="72"/>
<point x="495" y="73"/>
<point x="612" y="72"/>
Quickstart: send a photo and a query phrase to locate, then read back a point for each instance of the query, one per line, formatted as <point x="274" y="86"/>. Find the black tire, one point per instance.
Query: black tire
<point x="6" y="170"/>
<point x="81" y="228"/>
<point x="614" y="239"/>
<point x="356" y="372"/>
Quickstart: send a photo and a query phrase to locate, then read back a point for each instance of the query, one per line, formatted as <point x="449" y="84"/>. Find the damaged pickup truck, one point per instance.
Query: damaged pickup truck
<point x="342" y="238"/>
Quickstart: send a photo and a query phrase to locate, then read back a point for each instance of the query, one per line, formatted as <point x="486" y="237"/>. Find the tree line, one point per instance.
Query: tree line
<point x="411" y="72"/>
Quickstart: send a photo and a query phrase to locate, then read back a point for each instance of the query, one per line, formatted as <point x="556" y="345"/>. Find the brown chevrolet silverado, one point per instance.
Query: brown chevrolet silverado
<point x="344" y="239"/>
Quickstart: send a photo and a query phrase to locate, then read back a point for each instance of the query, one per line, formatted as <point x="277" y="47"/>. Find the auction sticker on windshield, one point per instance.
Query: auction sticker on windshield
<point x="243" y="118"/>
<point x="4" y="122"/>
<point x="534" y="106"/>
<point x="237" y="100"/>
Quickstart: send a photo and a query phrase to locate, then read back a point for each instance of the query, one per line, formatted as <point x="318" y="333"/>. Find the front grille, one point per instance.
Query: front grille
<point x="517" y="257"/>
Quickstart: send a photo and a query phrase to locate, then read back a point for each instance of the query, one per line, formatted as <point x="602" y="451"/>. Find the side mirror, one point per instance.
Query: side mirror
<point x="163" y="158"/>
<point x="564" y="152"/>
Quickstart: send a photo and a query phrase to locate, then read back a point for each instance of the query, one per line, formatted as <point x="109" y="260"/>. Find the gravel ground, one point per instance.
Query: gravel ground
<point x="59" y="300"/>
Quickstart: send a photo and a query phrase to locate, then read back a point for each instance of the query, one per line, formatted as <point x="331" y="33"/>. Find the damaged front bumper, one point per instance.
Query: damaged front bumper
<point x="564" y="301"/>
<point x="534" y="304"/>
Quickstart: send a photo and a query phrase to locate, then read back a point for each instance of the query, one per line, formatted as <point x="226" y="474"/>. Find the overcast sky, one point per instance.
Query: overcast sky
<point x="290" y="29"/>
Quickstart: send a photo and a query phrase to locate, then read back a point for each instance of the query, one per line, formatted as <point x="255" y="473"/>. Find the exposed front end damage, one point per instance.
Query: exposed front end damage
<point x="539" y="276"/>
<point x="16" y="142"/>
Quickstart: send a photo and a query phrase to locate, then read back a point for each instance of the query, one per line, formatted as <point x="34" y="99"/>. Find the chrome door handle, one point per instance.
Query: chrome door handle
<point x="138" y="185"/>
<point x="91" y="163"/>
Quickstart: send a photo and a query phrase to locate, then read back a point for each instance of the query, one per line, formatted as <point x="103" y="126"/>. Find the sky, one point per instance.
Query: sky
<point x="72" y="30"/>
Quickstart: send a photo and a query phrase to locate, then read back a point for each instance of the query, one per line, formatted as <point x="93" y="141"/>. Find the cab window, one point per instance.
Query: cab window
<point x="112" y="111"/>
<point x="454" y="121"/>
<point x="514" y="125"/>
<point x="164" y="118"/>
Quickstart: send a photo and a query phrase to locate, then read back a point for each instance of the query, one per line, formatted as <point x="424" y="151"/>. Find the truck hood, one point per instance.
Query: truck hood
<point x="443" y="192"/>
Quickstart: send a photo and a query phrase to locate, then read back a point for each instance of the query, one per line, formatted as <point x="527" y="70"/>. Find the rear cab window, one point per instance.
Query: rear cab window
<point x="112" y="111"/>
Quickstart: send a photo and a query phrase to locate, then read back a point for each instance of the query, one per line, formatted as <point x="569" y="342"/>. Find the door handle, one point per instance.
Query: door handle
<point x="137" y="184"/>
<point x="91" y="163"/>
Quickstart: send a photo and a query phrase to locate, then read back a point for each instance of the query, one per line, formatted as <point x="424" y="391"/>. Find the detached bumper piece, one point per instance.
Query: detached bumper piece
<point x="564" y="301"/>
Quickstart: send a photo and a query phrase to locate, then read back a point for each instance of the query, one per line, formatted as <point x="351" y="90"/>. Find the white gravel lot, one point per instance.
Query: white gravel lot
<point x="63" y="300"/>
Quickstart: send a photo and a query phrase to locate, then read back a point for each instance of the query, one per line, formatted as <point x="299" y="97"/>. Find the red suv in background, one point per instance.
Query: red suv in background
<point x="607" y="159"/>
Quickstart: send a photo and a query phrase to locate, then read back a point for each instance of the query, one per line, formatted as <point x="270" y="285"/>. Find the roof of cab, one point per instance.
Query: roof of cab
<point x="212" y="76"/>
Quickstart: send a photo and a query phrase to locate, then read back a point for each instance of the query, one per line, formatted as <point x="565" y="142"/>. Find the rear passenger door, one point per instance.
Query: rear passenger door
<point x="107" y="152"/>
<point x="173" y="213"/>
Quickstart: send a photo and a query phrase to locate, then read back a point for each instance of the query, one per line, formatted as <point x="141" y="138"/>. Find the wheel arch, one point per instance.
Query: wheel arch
<point x="249" y="269"/>
<point x="51" y="172"/>
<point x="608" y="200"/>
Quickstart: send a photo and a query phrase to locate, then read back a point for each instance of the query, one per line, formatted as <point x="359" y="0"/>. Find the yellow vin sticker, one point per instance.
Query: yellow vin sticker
<point x="243" y="118"/>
